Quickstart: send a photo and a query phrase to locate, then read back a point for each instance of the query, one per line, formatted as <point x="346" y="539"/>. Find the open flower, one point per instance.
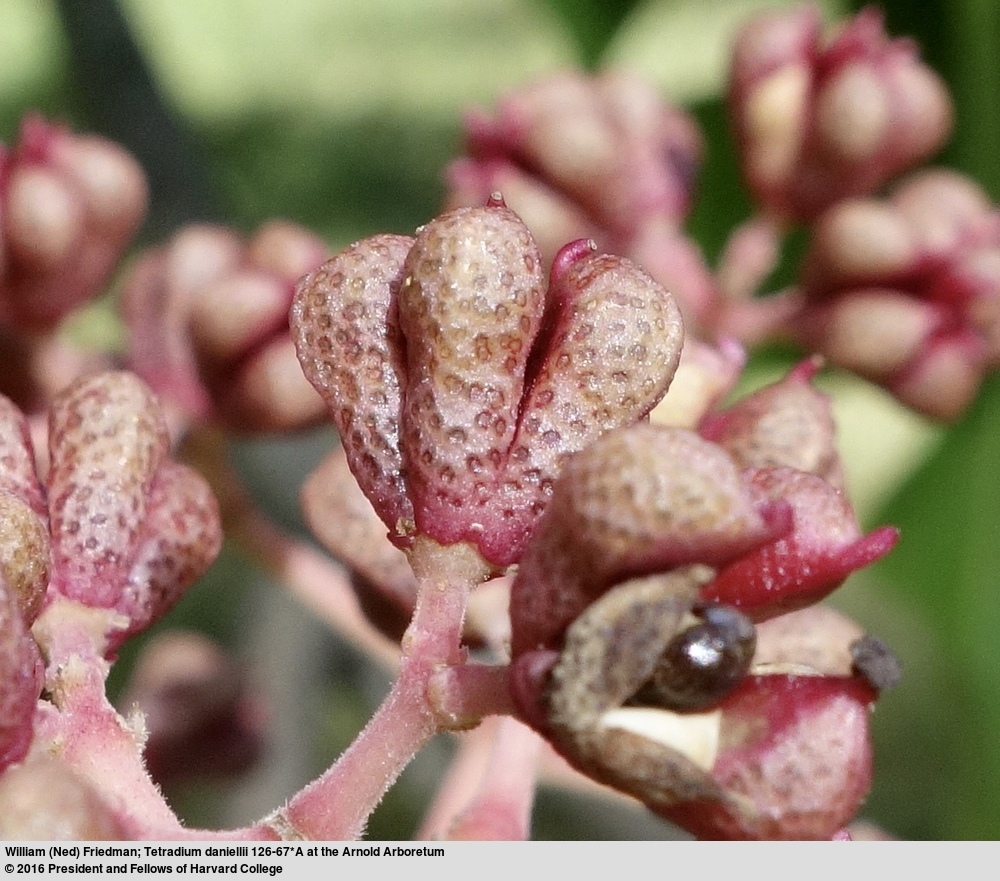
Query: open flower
<point x="820" y="119"/>
<point x="634" y="644"/>
<point x="460" y="383"/>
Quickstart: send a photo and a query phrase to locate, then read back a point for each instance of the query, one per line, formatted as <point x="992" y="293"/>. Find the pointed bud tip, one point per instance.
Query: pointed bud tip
<point x="571" y="253"/>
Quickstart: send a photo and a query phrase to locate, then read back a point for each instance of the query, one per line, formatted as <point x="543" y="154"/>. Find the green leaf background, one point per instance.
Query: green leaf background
<point x="342" y="116"/>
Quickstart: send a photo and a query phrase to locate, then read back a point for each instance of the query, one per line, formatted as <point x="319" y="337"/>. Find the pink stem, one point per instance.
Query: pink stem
<point x="460" y="784"/>
<point x="89" y="735"/>
<point x="464" y="695"/>
<point x="336" y="806"/>
<point x="501" y="808"/>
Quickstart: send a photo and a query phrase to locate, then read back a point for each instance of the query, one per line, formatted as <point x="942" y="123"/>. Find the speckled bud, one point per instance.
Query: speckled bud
<point x="106" y="440"/>
<point x="785" y="424"/>
<point x="457" y="419"/>
<point x="181" y="536"/>
<point x="24" y="536"/>
<point x="641" y="499"/>
<point x="24" y="554"/>
<point x="470" y="306"/>
<point x="342" y="518"/>
<point x="20" y="679"/>
<point x="611" y="346"/>
<point x="344" y="322"/>
<point x="130" y="528"/>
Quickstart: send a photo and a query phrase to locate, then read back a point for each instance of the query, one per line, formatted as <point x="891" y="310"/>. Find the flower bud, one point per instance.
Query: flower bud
<point x="600" y="157"/>
<point x="209" y="320"/>
<point x="785" y="424"/>
<point x="459" y="385"/>
<point x="820" y="119"/>
<point x="906" y="291"/>
<point x="107" y="439"/>
<point x="20" y="679"/>
<point x="69" y="205"/>
<point x="24" y="534"/>
<point x="117" y="525"/>
<point x="341" y="517"/>
<point x="640" y="499"/>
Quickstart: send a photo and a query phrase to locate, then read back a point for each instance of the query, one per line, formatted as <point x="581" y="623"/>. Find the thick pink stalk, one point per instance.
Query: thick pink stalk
<point x="336" y="806"/>
<point x="89" y="735"/>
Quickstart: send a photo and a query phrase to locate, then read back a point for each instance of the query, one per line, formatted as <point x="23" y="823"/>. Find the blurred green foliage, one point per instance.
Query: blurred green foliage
<point x="342" y="116"/>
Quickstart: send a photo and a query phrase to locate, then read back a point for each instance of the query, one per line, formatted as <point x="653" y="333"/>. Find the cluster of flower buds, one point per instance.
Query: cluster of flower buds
<point x="597" y="156"/>
<point x="112" y="524"/>
<point x="461" y="382"/>
<point x="906" y="290"/>
<point x="634" y="610"/>
<point x="207" y="314"/>
<point x="818" y="120"/>
<point x="69" y="206"/>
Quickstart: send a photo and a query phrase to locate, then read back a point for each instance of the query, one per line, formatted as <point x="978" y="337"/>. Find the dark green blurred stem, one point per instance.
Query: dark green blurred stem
<point x="976" y="80"/>
<point x="592" y="23"/>
<point x="959" y="38"/>
<point x="121" y="101"/>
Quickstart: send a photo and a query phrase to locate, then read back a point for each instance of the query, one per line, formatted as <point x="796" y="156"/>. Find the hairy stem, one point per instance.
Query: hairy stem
<point x="85" y="731"/>
<point x="336" y="806"/>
